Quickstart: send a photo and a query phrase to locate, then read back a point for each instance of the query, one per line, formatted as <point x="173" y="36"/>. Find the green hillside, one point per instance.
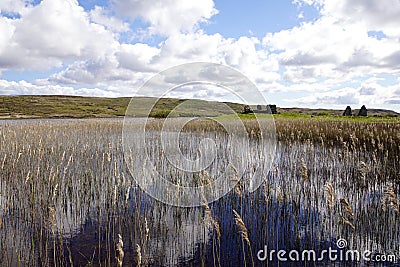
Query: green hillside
<point x="98" y="107"/>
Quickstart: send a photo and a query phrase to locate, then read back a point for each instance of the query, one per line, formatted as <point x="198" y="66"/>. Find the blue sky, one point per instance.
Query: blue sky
<point x="256" y="18"/>
<point x="308" y="53"/>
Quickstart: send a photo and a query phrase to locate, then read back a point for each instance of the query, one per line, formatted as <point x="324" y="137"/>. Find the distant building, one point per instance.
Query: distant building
<point x="273" y="109"/>
<point x="363" y="111"/>
<point x="259" y="109"/>
<point x="348" y="111"/>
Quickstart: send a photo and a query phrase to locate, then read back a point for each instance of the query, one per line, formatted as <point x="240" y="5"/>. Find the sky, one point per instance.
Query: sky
<point x="303" y="53"/>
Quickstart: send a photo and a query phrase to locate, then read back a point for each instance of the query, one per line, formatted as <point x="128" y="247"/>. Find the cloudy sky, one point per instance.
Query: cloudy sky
<point x="310" y="53"/>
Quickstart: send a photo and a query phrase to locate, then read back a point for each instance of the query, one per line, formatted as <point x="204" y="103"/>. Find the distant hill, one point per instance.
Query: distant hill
<point x="98" y="107"/>
<point x="56" y="106"/>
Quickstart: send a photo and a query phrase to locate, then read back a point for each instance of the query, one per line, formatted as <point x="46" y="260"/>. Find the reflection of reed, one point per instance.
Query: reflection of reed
<point x="244" y="234"/>
<point x="119" y="248"/>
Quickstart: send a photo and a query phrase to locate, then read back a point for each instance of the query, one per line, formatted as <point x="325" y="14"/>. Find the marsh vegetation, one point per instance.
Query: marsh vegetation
<point x="67" y="197"/>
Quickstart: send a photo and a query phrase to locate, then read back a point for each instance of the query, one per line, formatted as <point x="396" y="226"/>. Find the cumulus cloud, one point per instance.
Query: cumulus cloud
<point x="338" y="42"/>
<point x="369" y="93"/>
<point x="57" y="33"/>
<point x="105" y="71"/>
<point x="393" y="102"/>
<point x="50" y="33"/>
<point x="167" y="17"/>
<point x="6" y="32"/>
<point x="375" y="15"/>
<point x="345" y="96"/>
<point x="102" y="16"/>
<point x="26" y="88"/>
<point x="15" y="7"/>
<point x="129" y="60"/>
<point x="137" y="57"/>
<point x="203" y="91"/>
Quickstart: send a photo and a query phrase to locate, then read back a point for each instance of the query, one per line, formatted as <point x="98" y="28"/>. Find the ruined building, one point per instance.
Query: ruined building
<point x="348" y="111"/>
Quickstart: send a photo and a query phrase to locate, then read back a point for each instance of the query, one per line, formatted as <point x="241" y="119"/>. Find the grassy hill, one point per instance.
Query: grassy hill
<point x="99" y="107"/>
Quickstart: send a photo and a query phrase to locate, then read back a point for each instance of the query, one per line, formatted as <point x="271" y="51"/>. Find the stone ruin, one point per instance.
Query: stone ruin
<point x="273" y="109"/>
<point x="259" y="109"/>
<point x="348" y="111"/>
<point x="363" y="111"/>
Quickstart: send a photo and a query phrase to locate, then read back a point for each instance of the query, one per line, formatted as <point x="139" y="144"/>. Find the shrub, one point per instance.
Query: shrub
<point x="323" y="113"/>
<point x="160" y="113"/>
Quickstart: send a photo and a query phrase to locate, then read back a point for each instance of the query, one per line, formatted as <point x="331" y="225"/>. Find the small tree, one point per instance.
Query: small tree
<point x="246" y="110"/>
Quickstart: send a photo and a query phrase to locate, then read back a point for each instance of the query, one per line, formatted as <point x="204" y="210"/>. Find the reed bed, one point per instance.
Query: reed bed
<point x="67" y="197"/>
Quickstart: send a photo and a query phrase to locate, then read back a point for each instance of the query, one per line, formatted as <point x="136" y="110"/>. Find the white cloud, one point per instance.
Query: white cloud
<point x="345" y="96"/>
<point x="369" y="93"/>
<point x="15" y="6"/>
<point x="183" y="48"/>
<point x="103" y="72"/>
<point x="375" y="15"/>
<point x="307" y="2"/>
<point x="327" y="41"/>
<point x="394" y="102"/>
<point x="102" y="16"/>
<point x="50" y="33"/>
<point x="337" y="46"/>
<point x="128" y="61"/>
<point x="6" y="32"/>
<point x="26" y="88"/>
<point x="167" y="17"/>
<point x="137" y="57"/>
<point x="240" y="53"/>
<point x="203" y="91"/>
